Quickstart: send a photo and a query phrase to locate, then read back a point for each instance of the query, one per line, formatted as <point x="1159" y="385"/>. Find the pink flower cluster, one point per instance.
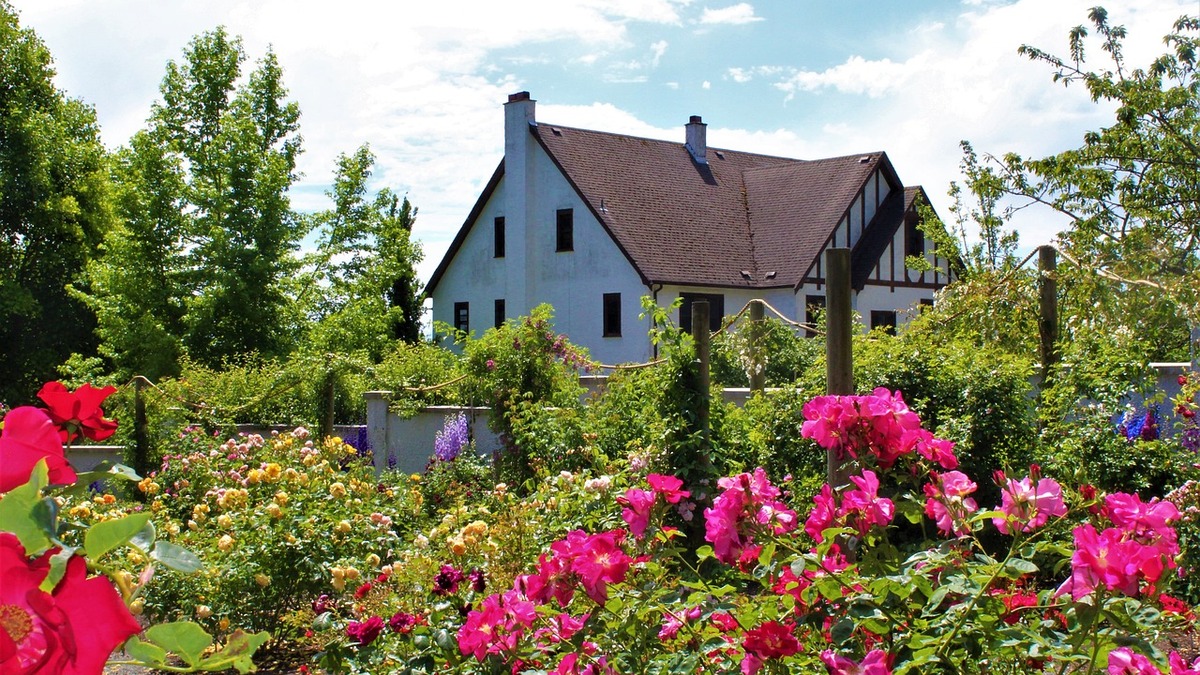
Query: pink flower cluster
<point x="861" y="508"/>
<point x="1131" y="555"/>
<point x="947" y="502"/>
<point x="747" y="504"/>
<point x="640" y="503"/>
<point x="880" y="423"/>
<point x="1028" y="503"/>
<point x="592" y="561"/>
<point x="874" y="663"/>
<point x="1125" y="661"/>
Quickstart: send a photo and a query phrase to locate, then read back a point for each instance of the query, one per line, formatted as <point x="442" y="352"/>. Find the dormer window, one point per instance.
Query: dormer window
<point x="564" y="230"/>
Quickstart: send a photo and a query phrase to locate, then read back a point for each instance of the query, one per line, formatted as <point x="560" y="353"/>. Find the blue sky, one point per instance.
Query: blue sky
<point x="423" y="83"/>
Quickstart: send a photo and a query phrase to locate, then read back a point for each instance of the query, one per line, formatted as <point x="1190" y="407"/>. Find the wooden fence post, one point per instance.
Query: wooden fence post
<point x="758" y="368"/>
<point x="839" y="363"/>
<point x="1048" y="310"/>
<point x="141" y="435"/>
<point x="701" y="337"/>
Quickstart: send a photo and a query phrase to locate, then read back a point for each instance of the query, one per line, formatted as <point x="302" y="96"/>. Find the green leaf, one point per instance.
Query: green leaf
<point x="177" y="558"/>
<point x="841" y="631"/>
<point x="17" y="508"/>
<point x="237" y="652"/>
<point x="184" y="638"/>
<point x="105" y="536"/>
<point x="1020" y="567"/>
<point x="145" y="652"/>
<point x="766" y="554"/>
<point x="58" y="568"/>
<point x="443" y="640"/>
<point x="144" y="539"/>
<point x="704" y="552"/>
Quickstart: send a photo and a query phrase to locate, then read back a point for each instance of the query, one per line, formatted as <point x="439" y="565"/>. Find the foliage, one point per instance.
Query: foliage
<point x="204" y="259"/>
<point x="764" y="597"/>
<point x="1130" y="191"/>
<point x="276" y="520"/>
<point x="48" y="596"/>
<point x="976" y="395"/>
<point x="56" y="208"/>
<point x="784" y="353"/>
<point x="364" y="266"/>
<point x="412" y="372"/>
<point x="521" y="362"/>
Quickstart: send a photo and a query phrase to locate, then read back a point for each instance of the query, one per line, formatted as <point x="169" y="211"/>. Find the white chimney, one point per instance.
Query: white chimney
<point x="697" y="143"/>
<point x="518" y="177"/>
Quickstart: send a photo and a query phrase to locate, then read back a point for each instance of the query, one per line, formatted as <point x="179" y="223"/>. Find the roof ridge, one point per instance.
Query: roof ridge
<point x="785" y="160"/>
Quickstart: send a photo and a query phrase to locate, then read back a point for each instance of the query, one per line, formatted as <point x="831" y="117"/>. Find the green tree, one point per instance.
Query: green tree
<point x="364" y="266"/>
<point x="138" y="283"/>
<point x="55" y="206"/>
<point x="203" y="261"/>
<point x="1131" y="191"/>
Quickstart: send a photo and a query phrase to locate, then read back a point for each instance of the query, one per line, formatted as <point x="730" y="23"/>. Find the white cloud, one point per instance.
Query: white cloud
<point x="741" y="13"/>
<point x="658" y="49"/>
<point x="856" y="76"/>
<point x="706" y="85"/>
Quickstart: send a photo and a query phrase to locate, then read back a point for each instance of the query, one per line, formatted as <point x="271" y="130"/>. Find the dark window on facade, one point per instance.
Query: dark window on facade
<point x="813" y="306"/>
<point x="498" y="250"/>
<point x="914" y="238"/>
<point x="462" y="316"/>
<point x="884" y="319"/>
<point x="926" y="303"/>
<point x="564" y="230"/>
<point x="716" y="310"/>
<point x="499" y="312"/>
<point x="612" y="315"/>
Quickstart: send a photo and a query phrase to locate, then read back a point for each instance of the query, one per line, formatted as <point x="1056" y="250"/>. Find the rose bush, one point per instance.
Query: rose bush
<point x="55" y="617"/>
<point x="1079" y="582"/>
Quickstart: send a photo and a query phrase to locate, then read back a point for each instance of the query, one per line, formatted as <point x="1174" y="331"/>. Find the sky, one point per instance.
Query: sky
<point x="423" y="83"/>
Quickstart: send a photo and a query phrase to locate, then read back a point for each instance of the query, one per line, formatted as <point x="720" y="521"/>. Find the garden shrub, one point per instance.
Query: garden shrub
<point x="785" y="354"/>
<point x="523" y="362"/>
<point x="276" y="522"/>
<point x="413" y="371"/>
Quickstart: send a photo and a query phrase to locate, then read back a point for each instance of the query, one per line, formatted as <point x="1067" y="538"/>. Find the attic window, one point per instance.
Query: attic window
<point x="771" y="274"/>
<point x="864" y="159"/>
<point x="719" y="154"/>
<point x="746" y="274"/>
<point x="556" y="132"/>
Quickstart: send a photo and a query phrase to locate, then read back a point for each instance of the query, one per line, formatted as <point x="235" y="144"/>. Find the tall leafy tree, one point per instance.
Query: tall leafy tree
<point x="1131" y="191"/>
<point x="55" y="207"/>
<point x="363" y="269"/>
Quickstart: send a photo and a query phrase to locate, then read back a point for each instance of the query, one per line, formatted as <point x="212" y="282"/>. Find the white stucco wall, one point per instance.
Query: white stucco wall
<point x="573" y="282"/>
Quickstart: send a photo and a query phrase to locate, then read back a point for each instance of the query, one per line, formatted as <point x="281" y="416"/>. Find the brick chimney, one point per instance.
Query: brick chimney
<point x="696" y="141"/>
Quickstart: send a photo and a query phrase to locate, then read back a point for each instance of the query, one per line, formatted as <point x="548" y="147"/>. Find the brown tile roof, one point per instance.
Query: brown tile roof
<point x="682" y="222"/>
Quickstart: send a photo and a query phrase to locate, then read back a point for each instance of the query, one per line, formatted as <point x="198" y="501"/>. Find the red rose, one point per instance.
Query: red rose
<point x="71" y="631"/>
<point x="771" y="640"/>
<point x="29" y="436"/>
<point x="364" y="632"/>
<point x="78" y="412"/>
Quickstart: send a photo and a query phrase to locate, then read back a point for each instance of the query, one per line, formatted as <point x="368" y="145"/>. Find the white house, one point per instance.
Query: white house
<point x="590" y="222"/>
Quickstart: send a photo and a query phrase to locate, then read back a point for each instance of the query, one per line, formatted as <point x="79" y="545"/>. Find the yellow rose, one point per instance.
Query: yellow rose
<point x="254" y="477"/>
<point x="137" y="607"/>
<point x="352" y="573"/>
<point x="262" y="580"/>
<point x="224" y="521"/>
<point x="337" y="490"/>
<point x="272" y="471"/>
<point x="291" y="474"/>
<point x="274" y="511"/>
<point x="373" y="560"/>
<point x="457" y="546"/>
<point x="203" y="611"/>
<point x="281" y="498"/>
<point x="225" y="543"/>
<point x="193" y="525"/>
<point x="343" y="526"/>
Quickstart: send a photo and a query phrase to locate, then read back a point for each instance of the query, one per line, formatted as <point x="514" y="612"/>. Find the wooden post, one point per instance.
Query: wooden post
<point x="758" y="370"/>
<point x="702" y="338"/>
<point x="1048" y="310"/>
<point x="839" y="364"/>
<point x="141" y="435"/>
<point x="328" y="392"/>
